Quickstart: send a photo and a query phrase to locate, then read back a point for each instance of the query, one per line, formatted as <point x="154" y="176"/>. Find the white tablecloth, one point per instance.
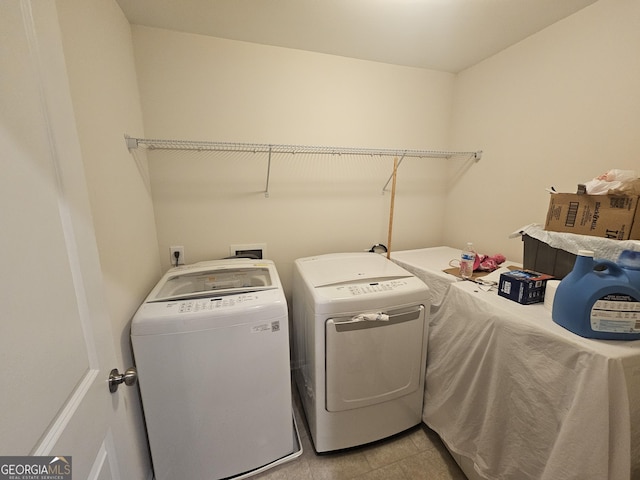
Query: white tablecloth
<point x="428" y="264"/>
<point x="517" y="394"/>
<point x="523" y="398"/>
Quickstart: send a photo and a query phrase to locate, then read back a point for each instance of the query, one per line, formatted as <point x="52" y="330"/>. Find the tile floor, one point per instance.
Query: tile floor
<point x="417" y="454"/>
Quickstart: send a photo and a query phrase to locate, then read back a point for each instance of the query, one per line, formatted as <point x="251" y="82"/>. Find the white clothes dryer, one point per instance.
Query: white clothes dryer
<point x="211" y="346"/>
<point x="360" y="347"/>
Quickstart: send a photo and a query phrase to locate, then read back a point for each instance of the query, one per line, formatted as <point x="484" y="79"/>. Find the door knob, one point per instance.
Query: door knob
<point x="129" y="378"/>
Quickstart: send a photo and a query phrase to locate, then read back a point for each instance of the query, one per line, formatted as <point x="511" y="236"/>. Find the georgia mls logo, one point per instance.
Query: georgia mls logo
<point x="35" y="468"/>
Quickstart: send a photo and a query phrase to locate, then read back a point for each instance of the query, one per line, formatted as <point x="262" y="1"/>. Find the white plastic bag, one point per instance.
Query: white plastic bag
<point x="612" y="180"/>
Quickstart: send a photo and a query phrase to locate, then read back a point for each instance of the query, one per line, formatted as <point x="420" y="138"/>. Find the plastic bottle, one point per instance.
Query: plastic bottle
<point x="467" y="259"/>
<point x="597" y="299"/>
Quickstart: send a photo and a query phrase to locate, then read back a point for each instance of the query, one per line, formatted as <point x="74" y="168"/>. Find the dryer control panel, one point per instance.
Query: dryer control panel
<point x="370" y="294"/>
<point x="374" y="287"/>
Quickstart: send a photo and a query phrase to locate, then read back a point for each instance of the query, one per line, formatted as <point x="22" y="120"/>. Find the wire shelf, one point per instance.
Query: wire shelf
<point x="158" y="144"/>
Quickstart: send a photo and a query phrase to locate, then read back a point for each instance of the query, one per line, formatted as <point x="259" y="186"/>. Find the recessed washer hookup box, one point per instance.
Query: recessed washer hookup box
<point x="523" y="286"/>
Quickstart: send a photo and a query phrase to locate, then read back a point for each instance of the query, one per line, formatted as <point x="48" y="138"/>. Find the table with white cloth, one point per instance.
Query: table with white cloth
<point x="523" y="398"/>
<point x="428" y="264"/>
<point x="520" y="397"/>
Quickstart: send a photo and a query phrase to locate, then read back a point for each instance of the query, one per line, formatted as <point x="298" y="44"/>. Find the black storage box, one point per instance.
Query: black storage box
<point x="540" y="257"/>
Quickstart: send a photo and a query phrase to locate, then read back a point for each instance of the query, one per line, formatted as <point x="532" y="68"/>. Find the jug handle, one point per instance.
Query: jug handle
<point x="610" y="267"/>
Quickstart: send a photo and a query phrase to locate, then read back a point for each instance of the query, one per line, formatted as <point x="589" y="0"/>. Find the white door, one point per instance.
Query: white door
<point x="56" y="347"/>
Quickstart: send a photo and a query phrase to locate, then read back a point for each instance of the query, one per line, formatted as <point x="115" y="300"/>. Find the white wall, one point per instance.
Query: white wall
<point x="200" y="88"/>
<point x="559" y="108"/>
<point x="99" y="56"/>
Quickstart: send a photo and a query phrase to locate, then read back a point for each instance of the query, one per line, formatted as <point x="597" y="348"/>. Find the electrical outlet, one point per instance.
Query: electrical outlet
<point x="179" y="250"/>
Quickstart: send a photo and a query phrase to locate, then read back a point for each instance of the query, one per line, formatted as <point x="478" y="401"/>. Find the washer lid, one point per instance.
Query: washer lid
<point x="215" y="277"/>
<point x="340" y="268"/>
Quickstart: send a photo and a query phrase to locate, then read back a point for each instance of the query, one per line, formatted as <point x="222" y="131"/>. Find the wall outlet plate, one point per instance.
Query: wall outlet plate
<point x="172" y="258"/>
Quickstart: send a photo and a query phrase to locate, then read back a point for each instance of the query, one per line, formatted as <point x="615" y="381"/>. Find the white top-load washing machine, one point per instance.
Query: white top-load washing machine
<point x="360" y="347"/>
<point x="211" y="346"/>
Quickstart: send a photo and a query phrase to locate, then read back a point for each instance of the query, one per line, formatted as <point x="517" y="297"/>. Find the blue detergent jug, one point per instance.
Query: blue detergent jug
<point x="600" y="299"/>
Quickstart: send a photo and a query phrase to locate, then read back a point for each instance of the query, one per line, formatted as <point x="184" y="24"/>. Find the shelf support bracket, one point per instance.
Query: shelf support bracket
<point x="266" y="188"/>
<point x="132" y="143"/>
<point x="384" y="189"/>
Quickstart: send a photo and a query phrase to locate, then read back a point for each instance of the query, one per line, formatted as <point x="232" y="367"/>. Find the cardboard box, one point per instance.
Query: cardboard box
<point x="541" y="257"/>
<point x="597" y="215"/>
<point x="523" y="286"/>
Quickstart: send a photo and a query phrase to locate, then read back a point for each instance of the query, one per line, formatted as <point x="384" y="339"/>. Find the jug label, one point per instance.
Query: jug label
<point x="616" y="313"/>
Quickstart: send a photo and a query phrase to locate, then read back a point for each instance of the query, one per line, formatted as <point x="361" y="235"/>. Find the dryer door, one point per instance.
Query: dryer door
<point x="374" y="361"/>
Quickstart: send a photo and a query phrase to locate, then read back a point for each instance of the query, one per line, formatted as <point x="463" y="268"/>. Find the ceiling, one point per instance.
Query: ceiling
<point x="445" y="35"/>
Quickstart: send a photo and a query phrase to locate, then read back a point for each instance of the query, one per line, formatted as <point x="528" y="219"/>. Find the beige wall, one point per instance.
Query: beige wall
<point x="557" y="109"/>
<point x="200" y="88"/>
<point x="99" y="56"/>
